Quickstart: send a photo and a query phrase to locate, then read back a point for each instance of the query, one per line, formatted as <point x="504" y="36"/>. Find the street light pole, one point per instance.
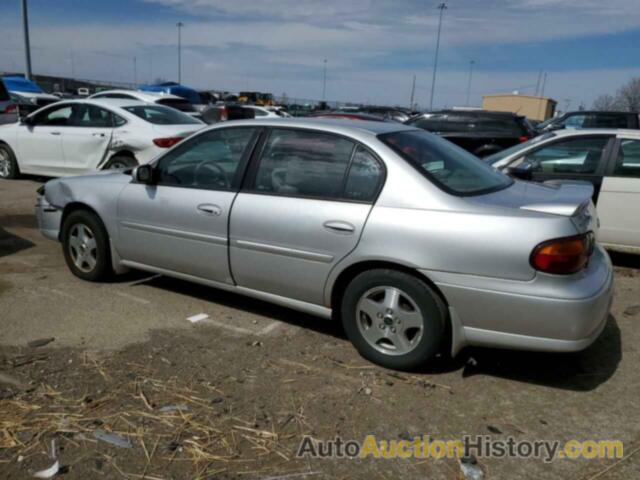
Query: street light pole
<point x="27" y="47"/>
<point x="471" y="63"/>
<point x="324" y="81"/>
<point x="442" y="7"/>
<point x="135" y="71"/>
<point x="179" y="25"/>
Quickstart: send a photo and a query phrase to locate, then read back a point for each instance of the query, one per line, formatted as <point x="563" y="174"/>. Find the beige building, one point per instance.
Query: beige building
<point x="534" y="108"/>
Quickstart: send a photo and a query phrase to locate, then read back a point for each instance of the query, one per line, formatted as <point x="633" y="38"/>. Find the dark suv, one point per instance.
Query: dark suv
<point x="480" y="132"/>
<point x="590" y="119"/>
<point x="8" y="109"/>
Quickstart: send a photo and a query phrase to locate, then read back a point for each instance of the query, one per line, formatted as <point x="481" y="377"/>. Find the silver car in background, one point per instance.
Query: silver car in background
<point x="413" y="243"/>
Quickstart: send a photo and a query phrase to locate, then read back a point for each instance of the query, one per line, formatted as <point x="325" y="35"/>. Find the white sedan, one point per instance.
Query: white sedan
<point x="79" y="136"/>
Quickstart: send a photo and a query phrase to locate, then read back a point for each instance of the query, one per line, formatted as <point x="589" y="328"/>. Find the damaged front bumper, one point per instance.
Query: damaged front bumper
<point x="49" y="218"/>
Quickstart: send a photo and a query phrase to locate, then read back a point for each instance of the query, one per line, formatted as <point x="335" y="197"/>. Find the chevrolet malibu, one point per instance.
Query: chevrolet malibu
<point x="415" y="244"/>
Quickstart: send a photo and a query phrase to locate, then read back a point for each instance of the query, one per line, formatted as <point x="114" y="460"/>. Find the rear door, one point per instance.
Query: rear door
<point x="574" y="158"/>
<point x="619" y="203"/>
<point x="86" y="141"/>
<point x="303" y="208"/>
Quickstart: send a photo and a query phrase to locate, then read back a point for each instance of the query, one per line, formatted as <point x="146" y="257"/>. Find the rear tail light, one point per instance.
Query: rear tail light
<point x="563" y="255"/>
<point x="224" y="114"/>
<point x="11" y="108"/>
<point x="523" y="138"/>
<point x="166" y="142"/>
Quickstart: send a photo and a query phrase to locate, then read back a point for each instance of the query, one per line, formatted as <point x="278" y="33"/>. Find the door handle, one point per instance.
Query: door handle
<point x="337" y="226"/>
<point x="209" y="209"/>
<point x="98" y="134"/>
<point x="55" y="133"/>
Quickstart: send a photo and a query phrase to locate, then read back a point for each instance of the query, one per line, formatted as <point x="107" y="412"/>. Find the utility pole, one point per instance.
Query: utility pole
<point x="471" y="63"/>
<point x="179" y="25"/>
<point x="27" y="47"/>
<point x="413" y="92"/>
<point x="324" y="81"/>
<point x="538" y="82"/>
<point x="442" y="7"/>
<point x="135" y="71"/>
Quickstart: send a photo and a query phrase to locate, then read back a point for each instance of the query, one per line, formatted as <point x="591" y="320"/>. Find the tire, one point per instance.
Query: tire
<point x="403" y="336"/>
<point x="9" y="169"/>
<point x="120" y="161"/>
<point x="85" y="244"/>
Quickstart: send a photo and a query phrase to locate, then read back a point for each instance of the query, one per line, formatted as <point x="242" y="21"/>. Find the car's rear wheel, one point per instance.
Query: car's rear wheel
<point x="120" y="161"/>
<point x="393" y="318"/>
<point x="86" y="246"/>
<point x="8" y="164"/>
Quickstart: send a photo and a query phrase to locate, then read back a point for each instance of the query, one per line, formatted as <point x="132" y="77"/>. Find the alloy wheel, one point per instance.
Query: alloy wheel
<point x="83" y="248"/>
<point x="389" y="320"/>
<point x="5" y="164"/>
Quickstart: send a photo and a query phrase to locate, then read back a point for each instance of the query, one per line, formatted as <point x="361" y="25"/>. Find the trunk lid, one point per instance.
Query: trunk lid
<point x="572" y="200"/>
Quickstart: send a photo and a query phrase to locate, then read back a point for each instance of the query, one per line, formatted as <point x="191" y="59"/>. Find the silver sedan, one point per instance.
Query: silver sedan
<point x="416" y="245"/>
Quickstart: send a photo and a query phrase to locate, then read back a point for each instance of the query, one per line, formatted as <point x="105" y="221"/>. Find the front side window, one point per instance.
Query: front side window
<point x="159" y="115"/>
<point x="449" y="167"/>
<point x="210" y="160"/>
<point x="303" y="163"/>
<point x="574" y="156"/>
<point x="91" y="116"/>
<point x="58" y="117"/>
<point x="628" y="160"/>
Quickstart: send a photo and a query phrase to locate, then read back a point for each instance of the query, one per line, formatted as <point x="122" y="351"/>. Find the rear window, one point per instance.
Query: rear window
<point x="159" y="115"/>
<point x="4" y="94"/>
<point x="448" y="166"/>
<point x="178" y="104"/>
<point x="469" y="124"/>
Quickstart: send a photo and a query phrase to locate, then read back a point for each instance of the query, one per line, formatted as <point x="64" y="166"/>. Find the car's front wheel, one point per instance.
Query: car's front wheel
<point x="393" y="318"/>
<point x="86" y="246"/>
<point x="8" y="164"/>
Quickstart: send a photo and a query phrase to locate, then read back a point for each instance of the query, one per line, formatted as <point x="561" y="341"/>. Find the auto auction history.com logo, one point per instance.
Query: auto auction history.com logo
<point x="481" y="446"/>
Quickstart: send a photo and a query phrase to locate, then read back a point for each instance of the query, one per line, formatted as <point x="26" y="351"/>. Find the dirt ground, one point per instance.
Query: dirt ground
<point x="232" y="397"/>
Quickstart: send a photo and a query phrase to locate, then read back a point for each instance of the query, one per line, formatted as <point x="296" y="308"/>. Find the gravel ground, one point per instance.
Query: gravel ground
<point x="233" y="396"/>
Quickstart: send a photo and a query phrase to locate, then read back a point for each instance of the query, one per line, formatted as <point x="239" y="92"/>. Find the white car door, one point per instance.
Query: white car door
<point x="86" y="141"/>
<point x="619" y="201"/>
<point x="40" y="141"/>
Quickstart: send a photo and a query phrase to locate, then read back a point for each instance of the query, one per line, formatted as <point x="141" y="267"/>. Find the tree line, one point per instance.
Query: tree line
<point x="626" y="99"/>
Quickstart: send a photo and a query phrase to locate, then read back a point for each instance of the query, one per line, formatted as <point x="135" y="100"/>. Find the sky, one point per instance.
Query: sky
<point x="373" y="48"/>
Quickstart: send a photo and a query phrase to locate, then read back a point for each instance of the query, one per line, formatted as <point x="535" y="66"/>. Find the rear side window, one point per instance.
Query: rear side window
<point x="365" y="177"/>
<point x="608" y="120"/>
<point x="303" y="163"/>
<point x="628" y="160"/>
<point x="159" y="115"/>
<point x="448" y="166"/>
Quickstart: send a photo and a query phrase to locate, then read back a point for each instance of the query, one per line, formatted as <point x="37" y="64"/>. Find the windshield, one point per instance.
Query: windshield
<point x="502" y="154"/>
<point x="451" y="168"/>
<point x="161" y="115"/>
<point x="547" y="122"/>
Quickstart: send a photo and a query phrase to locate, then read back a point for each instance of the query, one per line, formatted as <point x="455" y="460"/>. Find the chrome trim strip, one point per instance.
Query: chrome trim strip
<point x="200" y="237"/>
<point x="286" y="251"/>
<point x="310" y="308"/>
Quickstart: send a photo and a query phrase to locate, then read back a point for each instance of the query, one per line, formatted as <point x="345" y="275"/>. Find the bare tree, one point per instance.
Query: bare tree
<point x="626" y="99"/>
<point x="605" y="103"/>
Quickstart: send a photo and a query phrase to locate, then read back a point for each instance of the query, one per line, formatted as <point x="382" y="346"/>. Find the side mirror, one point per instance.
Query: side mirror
<point x="524" y="171"/>
<point x="144" y="174"/>
<point x="25" y="119"/>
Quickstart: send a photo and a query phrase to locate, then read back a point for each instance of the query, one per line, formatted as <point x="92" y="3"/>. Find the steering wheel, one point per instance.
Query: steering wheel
<point x="222" y="180"/>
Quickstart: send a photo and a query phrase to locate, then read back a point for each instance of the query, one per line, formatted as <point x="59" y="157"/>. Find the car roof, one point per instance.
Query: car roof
<point x="603" y="112"/>
<point x="473" y="113"/>
<point x="140" y="94"/>
<point x="595" y="131"/>
<point x="335" y="125"/>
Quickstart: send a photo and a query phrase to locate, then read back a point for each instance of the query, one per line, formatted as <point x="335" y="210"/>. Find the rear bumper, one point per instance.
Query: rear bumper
<point x="549" y="313"/>
<point x="49" y="219"/>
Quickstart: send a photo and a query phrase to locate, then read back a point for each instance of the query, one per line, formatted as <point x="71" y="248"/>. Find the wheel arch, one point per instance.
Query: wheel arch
<point x="119" y="153"/>
<point x="74" y="207"/>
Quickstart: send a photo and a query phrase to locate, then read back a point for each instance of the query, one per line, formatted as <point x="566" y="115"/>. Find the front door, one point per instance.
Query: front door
<point x="619" y="203"/>
<point x="40" y="143"/>
<point x="577" y="158"/>
<point x="179" y="224"/>
<point x="302" y="210"/>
